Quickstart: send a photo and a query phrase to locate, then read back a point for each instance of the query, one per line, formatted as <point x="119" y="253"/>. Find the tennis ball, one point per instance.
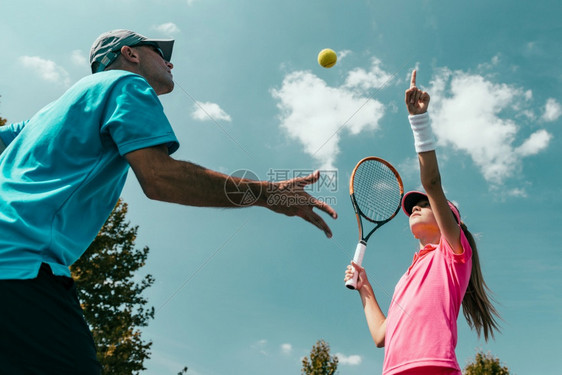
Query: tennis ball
<point x="327" y="58"/>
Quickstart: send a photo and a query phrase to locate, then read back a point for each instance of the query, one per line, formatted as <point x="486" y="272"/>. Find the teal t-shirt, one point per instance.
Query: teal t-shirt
<point x="63" y="170"/>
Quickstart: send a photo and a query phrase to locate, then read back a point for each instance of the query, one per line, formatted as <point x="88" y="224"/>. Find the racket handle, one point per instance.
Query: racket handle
<point x="358" y="259"/>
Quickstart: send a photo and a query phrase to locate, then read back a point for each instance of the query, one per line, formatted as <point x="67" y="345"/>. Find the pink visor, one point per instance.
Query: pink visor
<point x="411" y="198"/>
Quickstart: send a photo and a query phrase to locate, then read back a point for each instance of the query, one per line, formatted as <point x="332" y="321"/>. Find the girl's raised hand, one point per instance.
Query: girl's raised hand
<point x="417" y="100"/>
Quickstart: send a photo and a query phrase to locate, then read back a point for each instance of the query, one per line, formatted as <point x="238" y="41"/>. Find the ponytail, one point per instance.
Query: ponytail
<point x="477" y="307"/>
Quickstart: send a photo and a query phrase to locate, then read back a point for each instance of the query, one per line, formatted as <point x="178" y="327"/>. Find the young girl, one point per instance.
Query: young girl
<point x="420" y="332"/>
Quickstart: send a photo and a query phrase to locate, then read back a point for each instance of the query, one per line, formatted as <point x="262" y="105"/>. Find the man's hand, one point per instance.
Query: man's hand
<point x="417" y="100"/>
<point x="289" y="198"/>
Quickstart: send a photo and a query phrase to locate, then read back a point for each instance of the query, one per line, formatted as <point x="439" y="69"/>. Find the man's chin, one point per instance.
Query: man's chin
<point x="168" y="89"/>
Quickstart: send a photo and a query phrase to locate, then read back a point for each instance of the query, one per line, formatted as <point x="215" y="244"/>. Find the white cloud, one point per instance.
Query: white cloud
<point x="207" y="111"/>
<point x="46" y="69"/>
<point x="490" y="65"/>
<point x="316" y="114"/>
<point x="530" y="115"/>
<point x="466" y="115"/>
<point x="168" y="28"/>
<point x="261" y="347"/>
<point x="516" y="193"/>
<point x="343" y="54"/>
<point x="552" y="110"/>
<point x="366" y="80"/>
<point x="286" y="348"/>
<point x="351" y="360"/>
<point x="537" y="142"/>
<point x="78" y="58"/>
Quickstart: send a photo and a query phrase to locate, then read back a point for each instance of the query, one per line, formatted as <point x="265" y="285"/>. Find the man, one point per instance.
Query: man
<point x="62" y="172"/>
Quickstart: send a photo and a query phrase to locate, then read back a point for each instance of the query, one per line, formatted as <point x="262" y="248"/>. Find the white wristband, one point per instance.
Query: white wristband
<point x="423" y="135"/>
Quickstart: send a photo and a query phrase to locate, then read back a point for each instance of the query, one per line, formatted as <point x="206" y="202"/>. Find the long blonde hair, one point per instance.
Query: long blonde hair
<point x="477" y="307"/>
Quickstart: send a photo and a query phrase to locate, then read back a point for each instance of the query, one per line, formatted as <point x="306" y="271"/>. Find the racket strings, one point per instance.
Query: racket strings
<point x="377" y="190"/>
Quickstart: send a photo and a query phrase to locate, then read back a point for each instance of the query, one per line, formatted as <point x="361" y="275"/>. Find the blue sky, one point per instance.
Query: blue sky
<point x="245" y="291"/>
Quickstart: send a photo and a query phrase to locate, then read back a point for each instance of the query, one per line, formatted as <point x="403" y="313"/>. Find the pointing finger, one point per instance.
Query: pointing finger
<point x="413" y="80"/>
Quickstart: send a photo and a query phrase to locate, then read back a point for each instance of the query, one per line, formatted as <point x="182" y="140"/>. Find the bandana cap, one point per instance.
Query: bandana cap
<point x="107" y="47"/>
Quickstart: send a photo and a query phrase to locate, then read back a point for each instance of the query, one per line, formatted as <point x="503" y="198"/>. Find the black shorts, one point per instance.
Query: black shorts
<point x="42" y="328"/>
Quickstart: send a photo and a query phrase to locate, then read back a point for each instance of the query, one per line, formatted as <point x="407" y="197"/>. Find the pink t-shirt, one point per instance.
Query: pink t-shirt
<point x="421" y="326"/>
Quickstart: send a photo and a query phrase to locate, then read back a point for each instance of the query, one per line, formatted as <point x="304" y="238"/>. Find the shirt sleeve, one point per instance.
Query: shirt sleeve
<point x="135" y="118"/>
<point x="462" y="257"/>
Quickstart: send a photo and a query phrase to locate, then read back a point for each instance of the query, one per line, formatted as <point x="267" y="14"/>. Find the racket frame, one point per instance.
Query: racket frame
<point x="362" y="245"/>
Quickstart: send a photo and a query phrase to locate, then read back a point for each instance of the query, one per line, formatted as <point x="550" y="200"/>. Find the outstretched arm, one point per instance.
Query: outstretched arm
<point x="417" y="102"/>
<point x="376" y="321"/>
<point x="166" y="179"/>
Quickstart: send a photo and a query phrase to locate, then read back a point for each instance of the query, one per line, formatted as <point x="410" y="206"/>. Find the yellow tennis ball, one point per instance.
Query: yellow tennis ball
<point x="327" y="58"/>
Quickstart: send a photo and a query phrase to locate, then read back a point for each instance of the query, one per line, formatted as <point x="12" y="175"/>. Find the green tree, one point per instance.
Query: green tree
<point x="320" y="362"/>
<point x="485" y="364"/>
<point x="112" y="298"/>
<point x="2" y="120"/>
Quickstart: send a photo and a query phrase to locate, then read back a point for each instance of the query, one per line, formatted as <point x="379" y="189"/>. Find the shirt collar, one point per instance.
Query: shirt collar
<point x="428" y="248"/>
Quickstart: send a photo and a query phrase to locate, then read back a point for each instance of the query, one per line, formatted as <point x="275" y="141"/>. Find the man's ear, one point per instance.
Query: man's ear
<point x="130" y="54"/>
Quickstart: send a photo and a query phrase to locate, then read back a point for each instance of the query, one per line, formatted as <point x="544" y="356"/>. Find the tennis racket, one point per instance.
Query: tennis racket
<point x="376" y="192"/>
